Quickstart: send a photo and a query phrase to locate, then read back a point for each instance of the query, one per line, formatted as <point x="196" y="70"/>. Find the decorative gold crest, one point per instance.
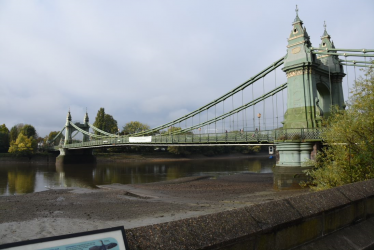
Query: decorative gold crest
<point x="296" y="50"/>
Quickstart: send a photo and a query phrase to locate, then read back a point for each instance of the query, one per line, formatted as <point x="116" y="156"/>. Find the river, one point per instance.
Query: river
<point x="28" y="178"/>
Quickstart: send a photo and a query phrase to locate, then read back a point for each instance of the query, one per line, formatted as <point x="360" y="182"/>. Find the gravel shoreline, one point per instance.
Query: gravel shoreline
<point x="64" y="211"/>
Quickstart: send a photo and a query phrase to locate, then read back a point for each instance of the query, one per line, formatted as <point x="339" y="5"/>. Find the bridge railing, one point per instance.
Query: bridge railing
<point x="303" y="134"/>
<point x="266" y="136"/>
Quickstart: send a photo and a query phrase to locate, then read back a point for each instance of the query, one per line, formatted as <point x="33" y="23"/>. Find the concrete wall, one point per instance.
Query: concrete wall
<point x="280" y="224"/>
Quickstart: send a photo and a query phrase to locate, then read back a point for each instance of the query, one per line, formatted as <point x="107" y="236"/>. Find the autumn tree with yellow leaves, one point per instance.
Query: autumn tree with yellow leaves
<point x="23" y="145"/>
<point x="349" y="153"/>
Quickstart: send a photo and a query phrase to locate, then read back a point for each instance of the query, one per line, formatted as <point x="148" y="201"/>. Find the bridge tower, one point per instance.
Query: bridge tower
<point x="68" y="129"/>
<point x="76" y="156"/>
<point x="314" y="84"/>
<point x="86" y="127"/>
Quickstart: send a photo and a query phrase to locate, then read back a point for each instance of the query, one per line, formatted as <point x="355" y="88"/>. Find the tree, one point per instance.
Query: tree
<point x="14" y="131"/>
<point x="4" y="129"/>
<point x="4" y="139"/>
<point x="173" y="129"/>
<point x="23" y="145"/>
<point x="105" y="122"/>
<point x="110" y="124"/>
<point x="29" y="131"/>
<point x="349" y="156"/>
<point x="52" y="135"/>
<point x="100" y="120"/>
<point x="134" y="127"/>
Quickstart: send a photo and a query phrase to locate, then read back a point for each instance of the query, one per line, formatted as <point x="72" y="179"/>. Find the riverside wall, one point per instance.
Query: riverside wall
<point x="38" y="158"/>
<point x="280" y="224"/>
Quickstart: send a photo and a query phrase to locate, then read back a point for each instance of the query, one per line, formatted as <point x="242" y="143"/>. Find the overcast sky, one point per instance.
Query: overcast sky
<point x="150" y="61"/>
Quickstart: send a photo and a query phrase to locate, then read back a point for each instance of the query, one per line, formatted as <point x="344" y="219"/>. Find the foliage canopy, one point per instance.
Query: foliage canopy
<point x="4" y="138"/>
<point x="349" y="156"/>
<point x="23" y="145"/>
<point x="29" y="131"/>
<point x="134" y="127"/>
<point x="14" y="131"/>
<point x="105" y="122"/>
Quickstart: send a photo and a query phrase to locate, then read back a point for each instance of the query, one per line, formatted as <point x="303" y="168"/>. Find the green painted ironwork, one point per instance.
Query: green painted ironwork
<point x="59" y="133"/>
<point x="314" y="84"/>
<point x="247" y="83"/>
<point x="342" y="54"/>
<point x="85" y="132"/>
<point x="358" y="65"/>
<point x="237" y="137"/>
<point x="234" y="111"/>
<point x="101" y="131"/>
<point x="347" y="50"/>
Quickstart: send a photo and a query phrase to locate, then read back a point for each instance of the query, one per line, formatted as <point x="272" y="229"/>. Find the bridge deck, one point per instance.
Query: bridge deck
<point x="213" y="139"/>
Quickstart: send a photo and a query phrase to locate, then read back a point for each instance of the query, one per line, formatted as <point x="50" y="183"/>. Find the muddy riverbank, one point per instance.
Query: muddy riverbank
<point x="64" y="211"/>
<point x="124" y="157"/>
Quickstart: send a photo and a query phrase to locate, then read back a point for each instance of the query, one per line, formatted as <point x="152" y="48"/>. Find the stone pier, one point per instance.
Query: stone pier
<point x="76" y="156"/>
<point x="292" y="162"/>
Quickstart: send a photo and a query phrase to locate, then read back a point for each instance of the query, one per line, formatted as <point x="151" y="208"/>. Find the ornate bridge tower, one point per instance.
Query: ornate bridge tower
<point x="75" y="156"/>
<point x="314" y="86"/>
<point x="314" y="83"/>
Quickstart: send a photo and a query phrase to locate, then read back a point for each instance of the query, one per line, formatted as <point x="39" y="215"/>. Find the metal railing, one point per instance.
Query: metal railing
<point x="235" y="137"/>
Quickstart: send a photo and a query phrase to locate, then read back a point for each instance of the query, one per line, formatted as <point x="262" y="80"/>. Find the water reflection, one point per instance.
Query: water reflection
<point x="28" y="178"/>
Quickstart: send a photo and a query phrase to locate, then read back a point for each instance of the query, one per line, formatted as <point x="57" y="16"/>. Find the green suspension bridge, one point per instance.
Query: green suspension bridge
<point x="248" y="114"/>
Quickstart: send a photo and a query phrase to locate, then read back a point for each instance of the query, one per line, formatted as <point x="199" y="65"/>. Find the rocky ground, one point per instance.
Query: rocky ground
<point x="64" y="211"/>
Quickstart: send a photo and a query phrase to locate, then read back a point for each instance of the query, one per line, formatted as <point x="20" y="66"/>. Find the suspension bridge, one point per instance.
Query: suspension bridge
<point x="251" y="113"/>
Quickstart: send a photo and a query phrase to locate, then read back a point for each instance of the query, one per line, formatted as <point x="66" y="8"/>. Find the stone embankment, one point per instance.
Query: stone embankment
<point x="298" y="222"/>
<point x="240" y="211"/>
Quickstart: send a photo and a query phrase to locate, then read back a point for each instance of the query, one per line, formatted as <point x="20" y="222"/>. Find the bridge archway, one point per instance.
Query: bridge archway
<point x="324" y="99"/>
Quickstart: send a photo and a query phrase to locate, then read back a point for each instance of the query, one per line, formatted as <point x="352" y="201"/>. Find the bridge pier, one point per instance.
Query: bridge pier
<point x="76" y="156"/>
<point x="291" y="163"/>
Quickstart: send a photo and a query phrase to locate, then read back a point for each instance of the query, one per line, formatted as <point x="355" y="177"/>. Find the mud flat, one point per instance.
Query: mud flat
<point x="64" y="211"/>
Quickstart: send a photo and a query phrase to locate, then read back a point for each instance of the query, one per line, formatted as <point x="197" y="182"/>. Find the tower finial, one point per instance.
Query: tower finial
<point x="324" y="24"/>
<point x="297" y="19"/>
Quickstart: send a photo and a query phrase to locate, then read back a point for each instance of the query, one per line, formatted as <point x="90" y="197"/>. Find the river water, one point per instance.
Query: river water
<point x="28" y="178"/>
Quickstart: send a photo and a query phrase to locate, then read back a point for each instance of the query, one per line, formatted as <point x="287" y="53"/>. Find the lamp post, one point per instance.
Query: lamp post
<point x="259" y="117"/>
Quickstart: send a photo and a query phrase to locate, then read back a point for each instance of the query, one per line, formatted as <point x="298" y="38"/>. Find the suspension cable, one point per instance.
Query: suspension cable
<point x="330" y="87"/>
<point x="242" y="111"/>
<point x="215" y="116"/>
<point x="223" y="124"/>
<point x="276" y="97"/>
<point x="58" y="134"/>
<point x="347" y="76"/>
<point x="101" y="131"/>
<point x="199" y="123"/>
<point x="283" y="105"/>
<point x="74" y="134"/>
<point x="264" y="117"/>
<point x="232" y="112"/>
<point x="366" y="74"/>
<point x="253" y="109"/>
<point x="233" y="117"/>
<point x="207" y="112"/>
<point x="272" y="107"/>
<point x="249" y="82"/>
<point x="88" y="133"/>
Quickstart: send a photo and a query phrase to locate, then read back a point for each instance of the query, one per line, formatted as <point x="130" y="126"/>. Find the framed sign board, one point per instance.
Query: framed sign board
<point x="110" y="238"/>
